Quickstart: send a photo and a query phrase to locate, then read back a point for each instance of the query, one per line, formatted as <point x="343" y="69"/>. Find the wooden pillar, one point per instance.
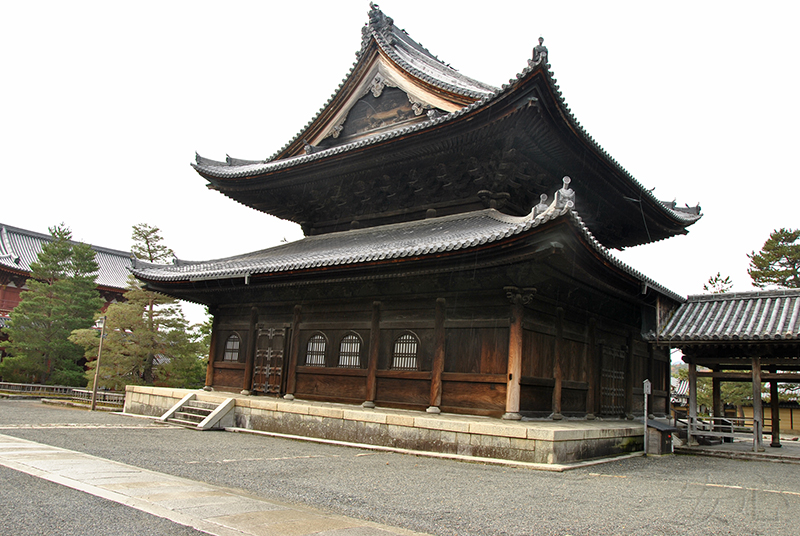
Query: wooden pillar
<point x="514" y="359"/>
<point x="250" y="356"/>
<point x="629" y="379"/>
<point x="758" y="415"/>
<point x="212" y="351"/>
<point x="372" y="359"/>
<point x="651" y="375"/>
<point x="294" y="354"/>
<point x="557" y="371"/>
<point x="774" y="403"/>
<point x="592" y="372"/>
<point x="716" y="397"/>
<point x="438" y="357"/>
<point x="692" y="402"/>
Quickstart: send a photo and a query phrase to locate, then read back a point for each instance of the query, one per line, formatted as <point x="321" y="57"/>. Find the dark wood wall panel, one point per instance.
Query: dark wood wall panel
<point x="476" y="350"/>
<point x="574" y="360"/>
<point x="536" y="399"/>
<point x="225" y="377"/>
<point x="538" y="350"/>
<point x="488" y="396"/>
<point x="408" y="391"/>
<point x="346" y="388"/>
<point x="573" y="400"/>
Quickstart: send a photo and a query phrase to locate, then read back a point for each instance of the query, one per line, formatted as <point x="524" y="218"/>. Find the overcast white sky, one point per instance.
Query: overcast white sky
<point x="105" y="103"/>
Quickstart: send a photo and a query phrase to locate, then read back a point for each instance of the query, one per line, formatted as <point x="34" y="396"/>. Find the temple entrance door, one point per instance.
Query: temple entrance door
<point x="268" y="366"/>
<point x="612" y="382"/>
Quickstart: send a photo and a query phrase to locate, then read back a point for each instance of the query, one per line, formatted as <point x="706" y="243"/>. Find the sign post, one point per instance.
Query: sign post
<point x="647" y="388"/>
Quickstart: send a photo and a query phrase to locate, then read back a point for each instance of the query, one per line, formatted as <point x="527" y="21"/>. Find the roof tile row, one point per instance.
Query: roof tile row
<point x="746" y="316"/>
<point x="408" y="239"/>
<point x="20" y="247"/>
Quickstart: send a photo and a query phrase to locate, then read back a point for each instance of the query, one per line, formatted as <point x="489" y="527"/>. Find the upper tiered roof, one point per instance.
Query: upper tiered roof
<point x="405" y="133"/>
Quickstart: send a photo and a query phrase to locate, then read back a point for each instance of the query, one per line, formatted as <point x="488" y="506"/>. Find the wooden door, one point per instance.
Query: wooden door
<point x="269" y="361"/>
<point x="612" y="382"/>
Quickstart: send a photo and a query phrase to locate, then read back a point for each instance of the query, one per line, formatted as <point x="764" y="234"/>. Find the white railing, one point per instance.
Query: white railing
<point x="35" y="389"/>
<point x="105" y="398"/>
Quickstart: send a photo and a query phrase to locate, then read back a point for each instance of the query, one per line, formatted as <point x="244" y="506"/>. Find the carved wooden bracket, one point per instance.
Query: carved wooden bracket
<point x="520" y="295"/>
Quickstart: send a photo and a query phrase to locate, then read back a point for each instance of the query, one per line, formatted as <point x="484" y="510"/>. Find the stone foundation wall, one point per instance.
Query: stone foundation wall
<point x="538" y="442"/>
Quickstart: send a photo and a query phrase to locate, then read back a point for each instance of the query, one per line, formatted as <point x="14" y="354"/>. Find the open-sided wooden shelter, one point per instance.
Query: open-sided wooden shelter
<point x="739" y="337"/>
<point x="449" y="263"/>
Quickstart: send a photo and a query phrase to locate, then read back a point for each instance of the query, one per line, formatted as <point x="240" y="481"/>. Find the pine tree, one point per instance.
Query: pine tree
<point x="778" y="262"/>
<point x="717" y="284"/>
<point x="148" y="340"/>
<point x="61" y="297"/>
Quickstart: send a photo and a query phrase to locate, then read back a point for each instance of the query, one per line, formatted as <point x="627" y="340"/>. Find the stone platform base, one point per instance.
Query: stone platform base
<point x="548" y="442"/>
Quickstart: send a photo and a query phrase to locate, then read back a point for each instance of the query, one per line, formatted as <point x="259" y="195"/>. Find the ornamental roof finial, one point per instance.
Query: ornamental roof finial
<point x="540" y="51"/>
<point x="565" y="195"/>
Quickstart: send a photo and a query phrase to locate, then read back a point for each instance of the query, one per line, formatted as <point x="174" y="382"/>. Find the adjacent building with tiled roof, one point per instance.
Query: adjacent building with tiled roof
<point x="19" y="248"/>
<point x="457" y="253"/>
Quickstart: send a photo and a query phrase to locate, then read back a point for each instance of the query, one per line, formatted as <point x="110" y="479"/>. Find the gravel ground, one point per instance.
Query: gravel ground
<point x="669" y="495"/>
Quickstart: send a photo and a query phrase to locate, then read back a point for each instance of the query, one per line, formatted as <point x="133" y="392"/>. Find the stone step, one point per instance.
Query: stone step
<point x="197" y="411"/>
<point x="188" y="416"/>
<point x="182" y="422"/>
<point x="202" y="405"/>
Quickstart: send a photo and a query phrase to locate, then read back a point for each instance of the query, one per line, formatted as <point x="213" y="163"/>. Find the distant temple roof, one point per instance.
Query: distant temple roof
<point x="741" y="316"/>
<point x="436" y="146"/>
<point x="20" y="247"/>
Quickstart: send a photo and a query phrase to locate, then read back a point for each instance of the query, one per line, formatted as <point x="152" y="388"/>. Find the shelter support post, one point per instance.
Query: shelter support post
<point x="558" y="373"/>
<point x="294" y="354"/>
<point x="716" y="397"/>
<point x="692" y="403"/>
<point x="438" y="357"/>
<point x="774" y="403"/>
<point x="250" y="356"/>
<point x="758" y="415"/>
<point x="514" y="359"/>
<point x="372" y="360"/>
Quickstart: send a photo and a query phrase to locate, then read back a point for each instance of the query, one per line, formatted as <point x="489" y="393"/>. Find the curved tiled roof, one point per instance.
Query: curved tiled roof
<point x="409" y="55"/>
<point x="409" y="239"/>
<point x="741" y="316"/>
<point x="418" y="61"/>
<point x="20" y="247"/>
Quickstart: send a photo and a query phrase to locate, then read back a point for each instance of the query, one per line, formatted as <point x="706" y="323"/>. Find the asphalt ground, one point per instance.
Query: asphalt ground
<point x="653" y="495"/>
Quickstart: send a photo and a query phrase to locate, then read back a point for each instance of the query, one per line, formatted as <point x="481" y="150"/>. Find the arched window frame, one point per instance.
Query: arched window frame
<point x="315" y="355"/>
<point x="232" y="348"/>
<point x="403" y="358"/>
<point x="350" y="350"/>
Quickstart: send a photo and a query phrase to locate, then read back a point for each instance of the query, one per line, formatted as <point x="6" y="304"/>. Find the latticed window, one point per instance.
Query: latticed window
<point x="315" y="351"/>
<point x="350" y="351"/>
<point x="404" y="356"/>
<point x="231" y="349"/>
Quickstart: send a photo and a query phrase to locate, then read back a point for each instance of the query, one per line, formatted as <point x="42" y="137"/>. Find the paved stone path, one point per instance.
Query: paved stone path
<point x="212" y="509"/>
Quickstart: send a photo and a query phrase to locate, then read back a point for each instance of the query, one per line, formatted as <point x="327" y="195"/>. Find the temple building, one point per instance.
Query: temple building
<point x="21" y="247"/>
<point x="457" y="252"/>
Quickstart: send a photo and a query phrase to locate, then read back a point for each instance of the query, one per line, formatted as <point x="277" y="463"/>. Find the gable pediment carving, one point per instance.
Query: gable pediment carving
<point x="384" y="98"/>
